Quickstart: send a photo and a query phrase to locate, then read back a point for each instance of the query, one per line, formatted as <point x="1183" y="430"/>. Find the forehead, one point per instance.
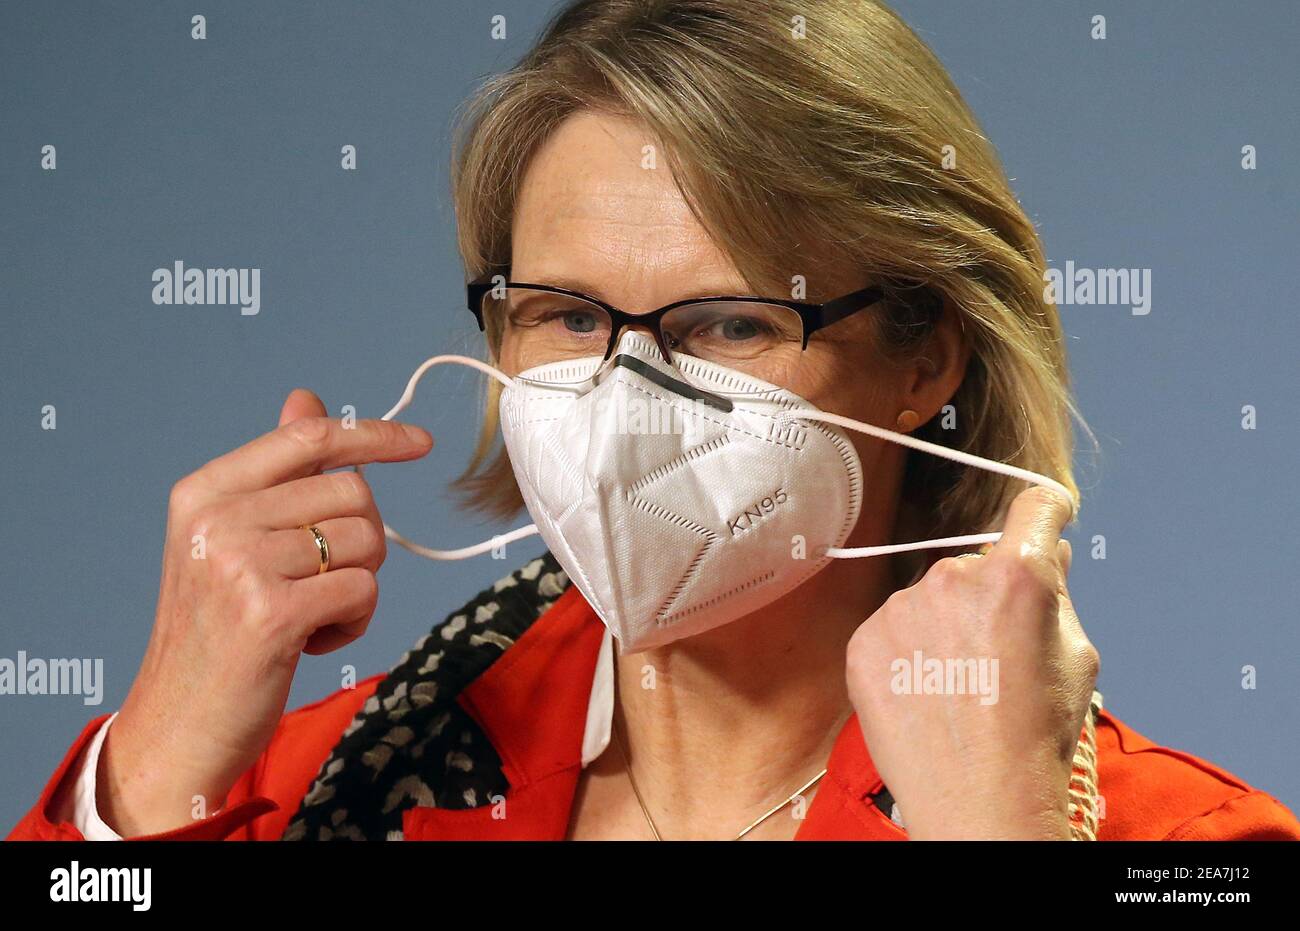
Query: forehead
<point x="598" y="205"/>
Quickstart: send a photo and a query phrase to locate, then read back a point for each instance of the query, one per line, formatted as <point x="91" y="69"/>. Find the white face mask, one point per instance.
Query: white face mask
<point x="679" y="497"/>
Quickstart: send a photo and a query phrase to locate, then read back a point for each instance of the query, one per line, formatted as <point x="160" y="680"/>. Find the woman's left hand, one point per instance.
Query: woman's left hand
<point x="987" y="756"/>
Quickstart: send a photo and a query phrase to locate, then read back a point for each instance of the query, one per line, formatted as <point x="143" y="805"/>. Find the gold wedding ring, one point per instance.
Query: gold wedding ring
<point x="321" y="544"/>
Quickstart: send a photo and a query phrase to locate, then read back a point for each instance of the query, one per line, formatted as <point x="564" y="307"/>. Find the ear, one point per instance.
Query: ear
<point x="940" y="366"/>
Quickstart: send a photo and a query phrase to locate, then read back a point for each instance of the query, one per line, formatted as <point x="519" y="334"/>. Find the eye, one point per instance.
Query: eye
<point x="732" y="329"/>
<point x="737" y="328"/>
<point x="579" y="321"/>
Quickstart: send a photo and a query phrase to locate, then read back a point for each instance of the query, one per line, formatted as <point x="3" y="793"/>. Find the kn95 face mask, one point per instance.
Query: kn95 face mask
<point x="681" y="496"/>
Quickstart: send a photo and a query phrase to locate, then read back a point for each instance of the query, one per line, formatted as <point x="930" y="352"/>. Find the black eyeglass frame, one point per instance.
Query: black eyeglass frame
<point x="813" y="316"/>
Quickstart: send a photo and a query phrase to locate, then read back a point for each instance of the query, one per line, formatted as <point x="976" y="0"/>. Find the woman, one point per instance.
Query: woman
<point x="813" y="155"/>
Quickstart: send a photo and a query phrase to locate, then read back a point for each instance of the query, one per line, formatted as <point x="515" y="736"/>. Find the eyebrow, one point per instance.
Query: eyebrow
<point x="594" y="290"/>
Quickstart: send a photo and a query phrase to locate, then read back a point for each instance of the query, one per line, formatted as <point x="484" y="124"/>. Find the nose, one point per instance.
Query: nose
<point x="647" y="329"/>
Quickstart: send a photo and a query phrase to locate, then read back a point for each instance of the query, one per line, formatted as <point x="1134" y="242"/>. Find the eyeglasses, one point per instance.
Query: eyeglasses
<point x="549" y="324"/>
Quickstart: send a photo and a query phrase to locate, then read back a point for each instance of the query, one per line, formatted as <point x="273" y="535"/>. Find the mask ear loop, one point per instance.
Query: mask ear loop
<point x="401" y="405"/>
<point x="956" y="455"/>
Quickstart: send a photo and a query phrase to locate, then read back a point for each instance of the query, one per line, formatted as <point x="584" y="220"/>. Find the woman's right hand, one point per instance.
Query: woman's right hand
<point x="240" y="601"/>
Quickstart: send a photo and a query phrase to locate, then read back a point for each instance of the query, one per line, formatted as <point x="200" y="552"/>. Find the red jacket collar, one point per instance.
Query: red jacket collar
<point x="532" y="704"/>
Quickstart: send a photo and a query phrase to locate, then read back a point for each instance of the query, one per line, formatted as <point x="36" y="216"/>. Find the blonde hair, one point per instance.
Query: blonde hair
<point x="802" y="132"/>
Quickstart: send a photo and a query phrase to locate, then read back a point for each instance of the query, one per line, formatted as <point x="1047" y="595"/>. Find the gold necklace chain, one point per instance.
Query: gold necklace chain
<point x="627" y="766"/>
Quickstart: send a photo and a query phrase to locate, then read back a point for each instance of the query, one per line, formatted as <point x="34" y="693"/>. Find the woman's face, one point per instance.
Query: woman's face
<point x="592" y="219"/>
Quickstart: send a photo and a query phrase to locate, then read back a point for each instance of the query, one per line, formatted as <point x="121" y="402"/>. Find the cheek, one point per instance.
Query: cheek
<point x="848" y="381"/>
<point x="508" y="356"/>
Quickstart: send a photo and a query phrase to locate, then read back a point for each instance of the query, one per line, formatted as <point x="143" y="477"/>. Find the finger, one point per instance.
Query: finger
<point x="310" y="445"/>
<point x="1034" y="524"/>
<point x="342" y="598"/>
<point x="352" y="541"/>
<point x="1065" y="556"/>
<point x="311" y="500"/>
<point x="1071" y="626"/>
<point x="299" y="404"/>
<point x="1082" y="654"/>
<point x="329" y="639"/>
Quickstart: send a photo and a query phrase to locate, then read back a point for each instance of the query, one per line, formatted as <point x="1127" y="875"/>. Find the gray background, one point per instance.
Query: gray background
<point x="225" y="152"/>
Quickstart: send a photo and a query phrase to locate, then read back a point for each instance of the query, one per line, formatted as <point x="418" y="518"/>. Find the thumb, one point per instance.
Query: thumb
<point x="1065" y="555"/>
<point x="299" y="404"/>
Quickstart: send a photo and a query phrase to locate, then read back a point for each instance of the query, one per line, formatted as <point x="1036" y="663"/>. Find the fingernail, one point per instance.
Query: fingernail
<point x="1065" y="553"/>
<point x="418" y="435"/>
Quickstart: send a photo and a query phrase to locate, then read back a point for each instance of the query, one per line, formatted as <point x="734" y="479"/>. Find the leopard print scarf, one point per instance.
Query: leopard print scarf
<point x="411" y="744"/>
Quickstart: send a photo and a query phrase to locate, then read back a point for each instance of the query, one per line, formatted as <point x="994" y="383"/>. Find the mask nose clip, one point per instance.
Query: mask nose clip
<point x="668" y="383"/>
<point x="635" y="351"/>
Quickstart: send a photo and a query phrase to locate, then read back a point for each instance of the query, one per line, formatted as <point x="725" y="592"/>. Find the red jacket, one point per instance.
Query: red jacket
<point x="1150" y="792"/>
